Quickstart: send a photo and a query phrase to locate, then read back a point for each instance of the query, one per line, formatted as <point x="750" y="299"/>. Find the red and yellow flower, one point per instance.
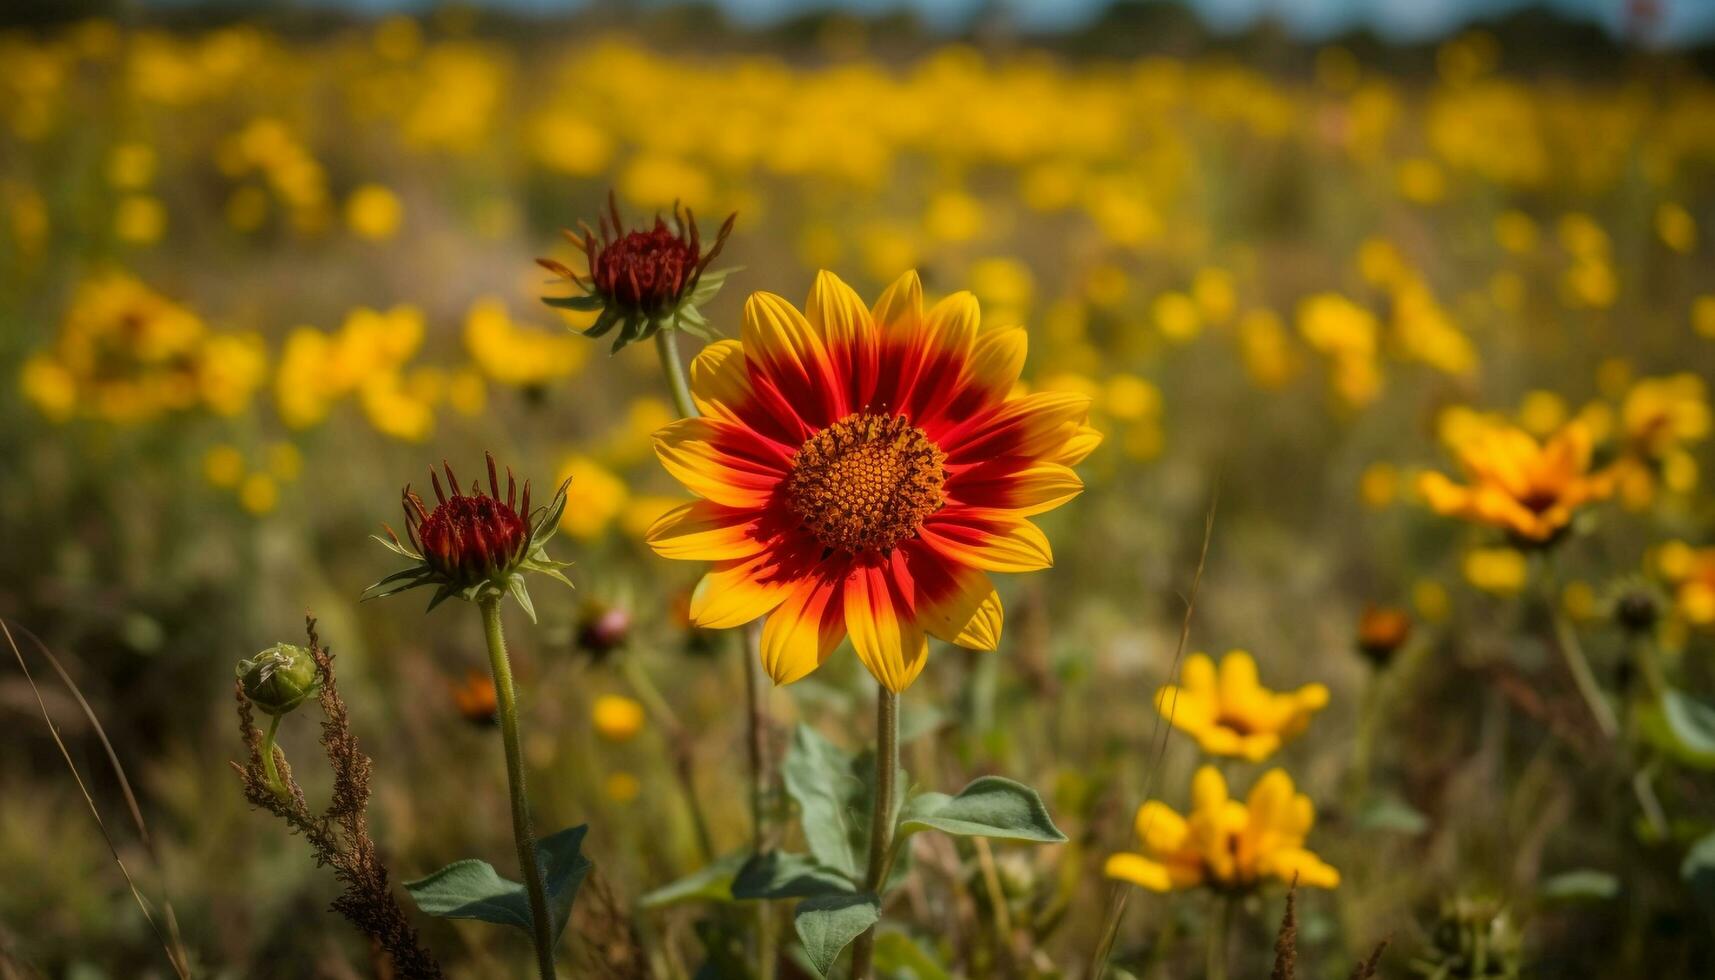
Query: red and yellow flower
<point x="861" y="472"/>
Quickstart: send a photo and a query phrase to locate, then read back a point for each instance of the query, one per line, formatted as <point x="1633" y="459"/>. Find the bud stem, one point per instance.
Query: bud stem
<point x="268" y="768"/>
<point x="1220" y="926"/>
<point x="522" y="833"/>
<point x="667" y="346"/>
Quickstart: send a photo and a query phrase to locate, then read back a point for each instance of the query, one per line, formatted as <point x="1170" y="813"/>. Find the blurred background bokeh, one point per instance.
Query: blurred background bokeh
<point x="259" y="267"/>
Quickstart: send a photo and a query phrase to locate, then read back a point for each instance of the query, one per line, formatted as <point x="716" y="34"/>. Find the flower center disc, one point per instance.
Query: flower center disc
<point x="867" y="482"/>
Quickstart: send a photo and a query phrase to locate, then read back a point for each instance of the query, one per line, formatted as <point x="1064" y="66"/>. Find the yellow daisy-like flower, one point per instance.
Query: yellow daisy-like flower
<point x="1230" y="713"/>
<point x="1527" y="488"/>
<point x="1223" y="843"/>
<point x="862" y="471"/>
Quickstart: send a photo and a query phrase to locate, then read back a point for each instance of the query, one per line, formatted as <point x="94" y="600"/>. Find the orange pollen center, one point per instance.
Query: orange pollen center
<point x="867" y="482"/>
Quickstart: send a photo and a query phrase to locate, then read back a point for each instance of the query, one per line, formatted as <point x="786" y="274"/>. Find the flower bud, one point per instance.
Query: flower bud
<point x="1637" y="610"/>
<point x="279" y="678"/>
<point x="1382" y="630"/>
<point x="602" y="628"/>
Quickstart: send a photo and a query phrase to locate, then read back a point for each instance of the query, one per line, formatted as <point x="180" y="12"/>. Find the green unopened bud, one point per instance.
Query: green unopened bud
<point x="279" y="678"/>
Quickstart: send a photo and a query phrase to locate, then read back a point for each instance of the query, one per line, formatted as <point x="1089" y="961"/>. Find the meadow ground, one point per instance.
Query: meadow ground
<point x="1427" y="333"/>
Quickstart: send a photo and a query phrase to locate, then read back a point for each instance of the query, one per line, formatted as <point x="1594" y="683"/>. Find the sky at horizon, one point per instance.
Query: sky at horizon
<point x="1677" y="22"/>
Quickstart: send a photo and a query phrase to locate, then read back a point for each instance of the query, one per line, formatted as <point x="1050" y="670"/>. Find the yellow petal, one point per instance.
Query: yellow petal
<point x="806" y="627"/>
<point x="701" y="531"/>
<point x="719" y="380"/>
<point x="901" y="305"/>
<point x="1160" y="828"/>
<point x="702" y="454"/>
<point x="1208" y="790"/>
<point x="991" y="540"/>
<point x="958" y="604"/>
<point x="997" y="359"/>
<point x="1032" y="489"/>
<point x="1138" y="870"/>
<point x="735" y="593"/>
<point x="951" y="325"/>
<point x="889" y="644"/>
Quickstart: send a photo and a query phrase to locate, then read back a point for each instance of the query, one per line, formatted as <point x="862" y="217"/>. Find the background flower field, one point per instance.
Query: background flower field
<point x="255" y="276"/>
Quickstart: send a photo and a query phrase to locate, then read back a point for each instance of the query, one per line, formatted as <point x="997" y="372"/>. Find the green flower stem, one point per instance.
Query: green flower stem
<point x="1582" y="676"/>
<point x="1566" y="640"/>
<point x="268" y="768"/>
<point x="1369" y="710"/>
<point x="667" y="346"/>
<point x="881" y="816"/>
<point x="522" y="834"/>
<point x="1220" y="924"/>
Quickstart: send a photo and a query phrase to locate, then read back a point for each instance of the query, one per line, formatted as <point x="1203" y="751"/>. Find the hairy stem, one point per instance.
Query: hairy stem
<point x="881" y="817"/>
<point x="522" y="834"/>
<point x="667" y="346"/>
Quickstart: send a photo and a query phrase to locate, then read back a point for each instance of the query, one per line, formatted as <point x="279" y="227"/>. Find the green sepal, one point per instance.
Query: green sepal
<point x="583" y="304"/>
<point x="472" y="889"/>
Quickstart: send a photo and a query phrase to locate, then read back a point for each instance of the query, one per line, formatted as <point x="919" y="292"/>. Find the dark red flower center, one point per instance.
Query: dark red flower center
<point x="646" y="270"/>
<point x="866" y="482"/>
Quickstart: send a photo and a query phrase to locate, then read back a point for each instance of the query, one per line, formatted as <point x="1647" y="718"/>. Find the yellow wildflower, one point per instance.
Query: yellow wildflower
<point x="1527" y="488"/>
<point x="1223" y="843"/>
<point x="616" y="718"/>
<point x="1230" y="713"/>
<point x="374" y="212"/>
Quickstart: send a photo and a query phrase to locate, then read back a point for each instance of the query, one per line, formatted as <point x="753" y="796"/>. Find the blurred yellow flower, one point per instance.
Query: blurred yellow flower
<point x="1676" y="227"/>
<point x="374" y="212"/>
<point x="131" y="166"/>
<point x="1223" y="843"/>
<point x="1378" y="485"/>
<point x="1177" y="317"/>
<point x="259" y="493"/>
<point x="1501" y="571"/>
<point x="1527" y="488"/>
<point x="600" y="497"/>
<point x="519" y="354"/>
<point x="223" y="466"/>
<point x="140" y="219"/>
<point x="616" y="718"/>
<point x="1230" y="713"/>
<point x="622" y="787"/>
<point x="1703" y="316"/>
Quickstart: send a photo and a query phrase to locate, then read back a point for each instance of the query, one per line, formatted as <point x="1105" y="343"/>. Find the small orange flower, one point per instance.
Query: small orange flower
<point x="1528" y="489"/>
<point x="862" y="471"/>
<point x="475" y="699"/>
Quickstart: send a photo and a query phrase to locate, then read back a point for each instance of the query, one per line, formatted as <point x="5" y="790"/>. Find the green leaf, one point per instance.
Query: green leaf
<point x="898" y="957"/>
<point x="1698" y="868"/>
<point x="1682" y="727"/>
<point x="1391" y="813"/>
<point x="472" y="889"/>
<point x="1583" y="884"/>
<point x="781" y="874"/>
<point x="989" y="807"/>
<point x="713" y="882"/>
<point x="828" y="924"/>
<point x="818" y="775"/>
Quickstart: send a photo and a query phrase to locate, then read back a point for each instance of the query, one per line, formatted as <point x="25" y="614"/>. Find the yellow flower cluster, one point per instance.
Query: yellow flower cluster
<point x="257" y="489"/>
<point x="1223" y="843"/>
<point x="368" y="358"/>
<point x="126" y="354"/>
